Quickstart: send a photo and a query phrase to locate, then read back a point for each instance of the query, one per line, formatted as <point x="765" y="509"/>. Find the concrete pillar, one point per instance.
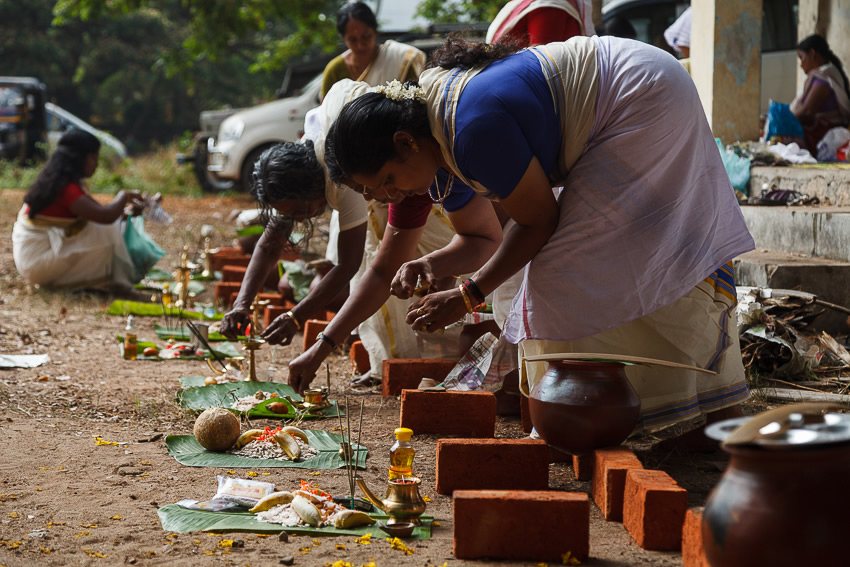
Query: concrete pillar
<point x="726" y="65"/>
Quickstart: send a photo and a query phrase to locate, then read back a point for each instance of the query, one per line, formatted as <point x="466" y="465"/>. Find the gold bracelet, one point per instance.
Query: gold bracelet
<point x="294" y="320"/>
<point x="466" y="299"/>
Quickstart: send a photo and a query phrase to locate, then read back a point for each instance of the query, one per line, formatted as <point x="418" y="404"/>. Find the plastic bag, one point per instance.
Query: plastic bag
<point x="737" y="168"/>
<point x="782" y="125"/>
<point x="143" y="251"/>
<point x="831" y="142"/>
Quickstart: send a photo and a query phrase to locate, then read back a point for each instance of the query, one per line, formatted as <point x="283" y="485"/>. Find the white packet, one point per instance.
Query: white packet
<point x="244" y="492"/>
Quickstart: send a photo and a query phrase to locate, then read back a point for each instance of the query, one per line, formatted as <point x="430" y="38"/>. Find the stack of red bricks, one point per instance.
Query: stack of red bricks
<point x="506" y="481"/>
<point x="233" y="264"/>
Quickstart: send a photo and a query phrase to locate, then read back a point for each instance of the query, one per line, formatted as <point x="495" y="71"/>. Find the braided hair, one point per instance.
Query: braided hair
<point x="291" y="172"/>
<point x="66" y="165"/>
<point x="821" y="47"/>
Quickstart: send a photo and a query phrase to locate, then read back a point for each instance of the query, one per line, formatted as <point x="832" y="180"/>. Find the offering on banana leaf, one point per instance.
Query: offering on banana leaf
<point x="308" y="506"/>
<point x="282" y="443"/>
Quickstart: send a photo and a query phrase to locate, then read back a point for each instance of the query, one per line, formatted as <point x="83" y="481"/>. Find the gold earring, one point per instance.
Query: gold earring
<point x="415" y="146"/>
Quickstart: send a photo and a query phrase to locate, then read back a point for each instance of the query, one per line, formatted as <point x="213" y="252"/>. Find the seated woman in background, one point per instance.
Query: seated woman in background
<point x="63" y="237"/>
<point x="825" y="100"/>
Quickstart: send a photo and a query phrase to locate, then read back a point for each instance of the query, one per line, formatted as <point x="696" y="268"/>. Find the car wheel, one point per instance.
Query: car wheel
<point x="209" y="181"/>
<point x="247" y="173"/>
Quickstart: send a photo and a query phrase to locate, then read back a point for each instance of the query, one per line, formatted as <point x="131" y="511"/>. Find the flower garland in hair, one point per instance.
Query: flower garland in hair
<point x="398" y="91"/>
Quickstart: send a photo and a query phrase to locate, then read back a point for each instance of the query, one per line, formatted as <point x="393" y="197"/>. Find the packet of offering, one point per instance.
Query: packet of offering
<point x="242" y="491"/>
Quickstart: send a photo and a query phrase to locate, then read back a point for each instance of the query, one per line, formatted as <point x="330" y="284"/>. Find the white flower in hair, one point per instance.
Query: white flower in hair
<point x="397" y="91"/>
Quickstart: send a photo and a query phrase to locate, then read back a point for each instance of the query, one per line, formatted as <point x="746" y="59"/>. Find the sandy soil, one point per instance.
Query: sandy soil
<point x="65" y="500"/>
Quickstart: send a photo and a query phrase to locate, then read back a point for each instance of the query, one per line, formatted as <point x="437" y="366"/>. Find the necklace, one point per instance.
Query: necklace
<point x="441" y="198"/>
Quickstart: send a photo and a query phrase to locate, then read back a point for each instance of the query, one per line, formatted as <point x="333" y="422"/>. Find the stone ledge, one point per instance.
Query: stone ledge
<point x="828" y="183"/>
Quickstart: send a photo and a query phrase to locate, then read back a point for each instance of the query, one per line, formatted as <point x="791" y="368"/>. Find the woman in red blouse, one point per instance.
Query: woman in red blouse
<point x="62" y="236"/>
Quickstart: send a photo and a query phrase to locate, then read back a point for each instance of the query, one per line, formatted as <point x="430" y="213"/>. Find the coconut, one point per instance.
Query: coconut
<point x="217" y="429"/>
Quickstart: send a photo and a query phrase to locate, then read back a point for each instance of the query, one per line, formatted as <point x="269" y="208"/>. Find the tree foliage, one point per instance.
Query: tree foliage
<point x="459" y="11"/>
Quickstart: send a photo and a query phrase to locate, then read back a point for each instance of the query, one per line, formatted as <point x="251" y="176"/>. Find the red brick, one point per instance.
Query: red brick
<point x="654" y="509"/>
<point x="232" y="273"/>
<point x="359" y="358"/>
<point x="219" y="261"/>
<point x="583" y="466"/>
<point x="529" y="525"/>
<point x="465" y="414"/>
<point x="525" y="414"/>
<point x="312" y="327"/>
<point x="491" y="464"/>
<point x="609" y="479"/>
<point x="406" y="373"/>
<point x="272" y="298"/>
<point x="223" y="291"/>
<point x="693" y="554"/>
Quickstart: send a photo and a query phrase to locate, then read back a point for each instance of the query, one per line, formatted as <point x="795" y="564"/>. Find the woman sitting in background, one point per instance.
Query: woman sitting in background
<point x="63" y="237"/>
<point x="825" y="100"/>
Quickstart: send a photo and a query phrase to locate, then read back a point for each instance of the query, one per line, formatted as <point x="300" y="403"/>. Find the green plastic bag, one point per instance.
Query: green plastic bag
<point x="143" y="251"/>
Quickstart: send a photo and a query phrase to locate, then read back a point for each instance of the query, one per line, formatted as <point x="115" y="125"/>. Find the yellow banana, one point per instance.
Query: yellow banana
<point x="292" y="430"/>
<point x="270" y="501"/>
<point x="288" y="444"/>
<point x="247" y="437"/>
<point x="352" y="519"/>
<point x="306" y="510"/>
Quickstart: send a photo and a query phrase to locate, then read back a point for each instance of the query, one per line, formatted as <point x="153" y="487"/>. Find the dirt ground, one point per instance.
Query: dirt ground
<point x="65" y="500"/>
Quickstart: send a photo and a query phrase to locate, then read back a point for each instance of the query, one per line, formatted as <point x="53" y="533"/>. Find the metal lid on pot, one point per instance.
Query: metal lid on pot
<point x="795" y="430"/>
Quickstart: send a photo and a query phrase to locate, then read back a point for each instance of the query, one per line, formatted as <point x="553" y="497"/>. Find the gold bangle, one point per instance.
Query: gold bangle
<point x="466" y="300"/>
<point x="294" y="320"/>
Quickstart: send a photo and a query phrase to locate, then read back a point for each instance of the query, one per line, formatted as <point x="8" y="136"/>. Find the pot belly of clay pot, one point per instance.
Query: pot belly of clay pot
<point x="580" y="406"/>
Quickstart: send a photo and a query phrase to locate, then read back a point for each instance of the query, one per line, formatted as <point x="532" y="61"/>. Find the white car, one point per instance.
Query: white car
<point x="243" y="136"/>
<point x="60" y="120"/>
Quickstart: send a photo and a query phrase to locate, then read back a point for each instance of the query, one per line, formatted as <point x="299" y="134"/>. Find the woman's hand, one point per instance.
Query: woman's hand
<point x="412" y="277"/>
<point x="235" y="323"/>
<point x="303" y="369"/>
<point x="280" y="331"/>
<point x="436" y="310"/>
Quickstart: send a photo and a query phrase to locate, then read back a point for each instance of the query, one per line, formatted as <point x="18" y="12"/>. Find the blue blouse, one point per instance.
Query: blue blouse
<point x="505" y="117"/>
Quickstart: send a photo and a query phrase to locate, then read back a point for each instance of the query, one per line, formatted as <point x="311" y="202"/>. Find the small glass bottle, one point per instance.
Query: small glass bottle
<point x="167" y="296"/>
<point x="401" y="454"/>
<point x="131" y="347"/>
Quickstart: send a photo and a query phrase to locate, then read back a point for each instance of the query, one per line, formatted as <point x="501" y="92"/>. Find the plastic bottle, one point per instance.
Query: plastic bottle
<point x="131" y="348"/>
<point x="401" y="454"/>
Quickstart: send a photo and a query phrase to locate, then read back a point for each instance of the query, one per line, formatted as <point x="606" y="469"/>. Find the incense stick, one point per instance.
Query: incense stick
<point x="359" y="433"/>
<point x="349" y="454"/>
<point x="194" y="330"/>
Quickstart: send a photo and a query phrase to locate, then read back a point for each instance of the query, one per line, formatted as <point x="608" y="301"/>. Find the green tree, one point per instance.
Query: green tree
<point x="459" y="11"/>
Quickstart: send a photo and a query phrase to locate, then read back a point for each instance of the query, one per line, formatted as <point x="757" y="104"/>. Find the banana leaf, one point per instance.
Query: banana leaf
<point x="225" y="395"/>
<point x="181" y="520"/>
<point x="194" y="287"/>
<point x="184" y="334"/>
<point x="123" y="307"/>
<point x="189" y="452"/>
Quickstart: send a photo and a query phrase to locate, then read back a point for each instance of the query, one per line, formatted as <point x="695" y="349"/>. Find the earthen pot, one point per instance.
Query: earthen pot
<point x="579" y="406"/>
<point x="780" y="507"/>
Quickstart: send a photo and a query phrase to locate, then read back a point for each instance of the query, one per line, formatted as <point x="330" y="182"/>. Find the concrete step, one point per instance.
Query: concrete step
<point x="826" y="278"/>
<point x="814" y="231"/>
<point x="828" y="182"/>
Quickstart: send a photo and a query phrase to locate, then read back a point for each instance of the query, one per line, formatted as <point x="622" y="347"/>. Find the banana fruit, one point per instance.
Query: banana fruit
<point x="247" y="437"/>
<point x="271" y="500"/>
<point x="352" y="519"/>
<point x="295" y="432"/>
<point x="288" y="444"/>
<point x="306" y="510"/>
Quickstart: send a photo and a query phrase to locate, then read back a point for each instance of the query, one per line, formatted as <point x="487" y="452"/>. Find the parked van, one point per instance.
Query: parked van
<point x="778" y="38"/>
<point x="243" y="136"/>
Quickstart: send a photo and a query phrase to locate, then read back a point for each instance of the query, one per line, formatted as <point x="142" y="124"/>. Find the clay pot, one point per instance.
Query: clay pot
<point x="579" y="406"/>
<point x="779" y="508"/>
